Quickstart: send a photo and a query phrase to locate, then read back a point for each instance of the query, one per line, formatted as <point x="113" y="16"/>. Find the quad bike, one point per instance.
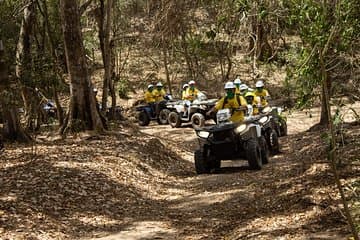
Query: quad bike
<point x="195" y="112"/>
<point x="230" y="141"/>
<point x="147" y="113"/>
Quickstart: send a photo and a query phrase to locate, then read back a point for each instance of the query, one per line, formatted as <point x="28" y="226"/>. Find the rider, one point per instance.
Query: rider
<point x="192" y="91"/>
<point x="234" y="102"/>
<point x="149" y="94"/>
<point x="150" y="98"/>
<point x="159" y="93"/>
<point x="251" y="100"/>
<point x="243" y="89"/>
<point x="237" y="83"/>
<point x="262" y="93"/>
<point x="183" y="93"/>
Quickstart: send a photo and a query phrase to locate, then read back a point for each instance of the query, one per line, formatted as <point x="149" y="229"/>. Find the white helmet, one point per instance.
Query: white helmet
<point x="229" y="85"/>
<point x="159" y="84"/>
<point x="95" y="90"/>
<point x="243" y="87"/>
<point x="192" y="82"/>
<point x="259" y="84"/>
<point x="185" y="85"/>
<point x="237" y="81"/>
<point x="150" y="86"/>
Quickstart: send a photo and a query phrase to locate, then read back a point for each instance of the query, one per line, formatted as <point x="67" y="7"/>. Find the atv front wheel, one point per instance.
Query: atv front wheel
<point x="253" y="154"/>
<point x="283" y="127"/>
<point x="163" y="116"/>
<point x="197" y="120"/>
<point x="201" y="164"/>
<point x="143" y="119"/>
<point x="174" y="119"/>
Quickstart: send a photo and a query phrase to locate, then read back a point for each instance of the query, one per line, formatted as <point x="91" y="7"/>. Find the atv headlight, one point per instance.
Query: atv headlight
<point x="203" y="134"/>
<point x="266" y="110"/>
<point x="263" y="120"/>
<point x="240" y="128"/>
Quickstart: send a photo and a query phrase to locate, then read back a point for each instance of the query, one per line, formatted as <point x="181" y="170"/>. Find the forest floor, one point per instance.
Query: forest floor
<point x="140" y="183"/>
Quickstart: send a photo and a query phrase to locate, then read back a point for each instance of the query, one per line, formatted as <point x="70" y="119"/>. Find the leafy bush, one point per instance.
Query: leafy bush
<point x="123" y="88"/>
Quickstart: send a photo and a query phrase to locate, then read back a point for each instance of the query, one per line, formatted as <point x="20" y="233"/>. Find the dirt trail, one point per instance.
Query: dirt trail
<point x="142" y="185"/>
<point x="285" y="200"/>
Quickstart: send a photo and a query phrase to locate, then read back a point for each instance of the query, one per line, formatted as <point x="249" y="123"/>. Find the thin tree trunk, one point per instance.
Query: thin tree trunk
<point x="83" y="114"/>
<point x="187" y="56"/>
<point x="167" y="69"/>
<point x="107" y="56"/>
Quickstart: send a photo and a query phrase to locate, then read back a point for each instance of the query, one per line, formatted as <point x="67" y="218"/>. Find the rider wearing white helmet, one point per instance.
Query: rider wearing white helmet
<point x="184" y="89"/>
<point x="159" y="92"/>
<point x="232" y="101"/>
<point x="237" y="83"/>
<point x="149" y="96"/>
<point x="192" y="91"/>
<point x="262" y="93"/>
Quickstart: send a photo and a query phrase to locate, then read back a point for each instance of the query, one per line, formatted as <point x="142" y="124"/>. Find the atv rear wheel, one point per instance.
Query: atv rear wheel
<point x="264" y="150"/>
<point x="143" y="119"/>
<point x="174" y="119"/>
<point x="273" y="142"/>
<point x="201" y="164"/>
<point x="253" y="154"/>
<point x="197" y="120"/>
<point x="163" y="116"/>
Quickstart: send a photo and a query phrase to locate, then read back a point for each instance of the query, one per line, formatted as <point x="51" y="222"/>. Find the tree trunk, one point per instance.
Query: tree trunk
<point x="187" y="56"/>
<point x="23" y="64"/>
<point x="167" y="69"/>
<point x="83" y="114"/>
<point x="324" y="120"/>
<point x="13" y="130"/>
<point x="106" y="54"/>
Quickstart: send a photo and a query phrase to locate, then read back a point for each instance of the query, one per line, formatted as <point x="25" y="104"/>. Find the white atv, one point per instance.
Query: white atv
<point x="195" y="112"/>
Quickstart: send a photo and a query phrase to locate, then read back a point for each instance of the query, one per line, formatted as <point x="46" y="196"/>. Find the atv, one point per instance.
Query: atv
<point x="184" y="111"/>
<point x="230" y="141"/>
<point x="147" y="113"/>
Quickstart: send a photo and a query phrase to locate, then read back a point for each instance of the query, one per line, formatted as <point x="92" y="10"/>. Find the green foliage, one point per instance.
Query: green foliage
<point x="123" y="88"/>
<point x="313" y="21"/>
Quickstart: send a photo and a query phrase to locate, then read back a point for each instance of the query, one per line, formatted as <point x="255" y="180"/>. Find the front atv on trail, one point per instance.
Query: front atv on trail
<point x="230" y="141"/>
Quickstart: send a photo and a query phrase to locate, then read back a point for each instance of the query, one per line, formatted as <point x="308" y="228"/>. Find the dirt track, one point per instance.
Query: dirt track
<point x="142" y="185"/>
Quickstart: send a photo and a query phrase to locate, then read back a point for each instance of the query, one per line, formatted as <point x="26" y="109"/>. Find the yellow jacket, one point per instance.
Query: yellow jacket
<point x="191" y="94"/>
<point x="149" y="97"/>
<point x="159" y="95"/>
<point x="237" y="91"/>
<point x="233" y="103"/>
<point x="264" y="93"/>
<point x="255" y="107"/>
<point x="183" y="95"/>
